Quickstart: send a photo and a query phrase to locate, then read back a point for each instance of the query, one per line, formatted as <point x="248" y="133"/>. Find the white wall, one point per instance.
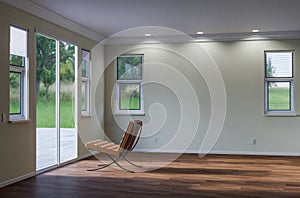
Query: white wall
<point x="170" y="117"/>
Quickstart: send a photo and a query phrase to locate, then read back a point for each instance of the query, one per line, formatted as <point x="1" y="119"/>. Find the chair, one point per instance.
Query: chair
<point x="117" y="151"/>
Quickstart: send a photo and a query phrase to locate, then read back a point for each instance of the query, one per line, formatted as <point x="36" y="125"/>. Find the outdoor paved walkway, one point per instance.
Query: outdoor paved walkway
<point x="46" y="147"/>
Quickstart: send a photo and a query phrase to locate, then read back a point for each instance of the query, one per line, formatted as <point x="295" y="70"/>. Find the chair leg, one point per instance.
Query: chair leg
<point x="127" y="160"/>
<point x="130" y="171"/>
<point x="104" y="166"/>
<point x="115" y="161"/>
<point x="101" y="166"/>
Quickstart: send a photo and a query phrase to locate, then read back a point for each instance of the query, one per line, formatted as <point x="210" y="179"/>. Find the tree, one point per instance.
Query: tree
<point x="15" y="60"/>
<point x="67" y="62"/>
<point x="46" y="62"/>
<point x="270" y="71"/>
<point x="134" y="70"/>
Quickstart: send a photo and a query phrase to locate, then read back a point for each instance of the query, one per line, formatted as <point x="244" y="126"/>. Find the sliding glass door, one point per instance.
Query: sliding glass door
<point x="56" y="134"/>
<point x="66" y="107"/>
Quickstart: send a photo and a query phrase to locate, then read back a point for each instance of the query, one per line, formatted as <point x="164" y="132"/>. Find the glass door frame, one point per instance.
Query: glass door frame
<point x="57" y="102"/>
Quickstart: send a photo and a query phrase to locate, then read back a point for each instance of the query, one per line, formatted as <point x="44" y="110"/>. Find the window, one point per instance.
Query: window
<point x="18" y="62"/>
<point x="129" y="88"/>
<point x="279" y="81"/>
<point x="85" y="82"/>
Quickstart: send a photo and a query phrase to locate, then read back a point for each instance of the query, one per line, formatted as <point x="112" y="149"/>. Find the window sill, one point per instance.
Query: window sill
<point x="281" y="114"/>
<point x="129" y="114"/>
<point x="19" y="121"/>
<point x="86" y="115"/>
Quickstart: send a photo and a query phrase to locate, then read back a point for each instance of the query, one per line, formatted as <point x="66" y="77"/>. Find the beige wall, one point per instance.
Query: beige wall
<point x="17" y="141"/>
<point x="92" y="127"/>
<point x="181" y="98"/>
<point x="241" y="65"/>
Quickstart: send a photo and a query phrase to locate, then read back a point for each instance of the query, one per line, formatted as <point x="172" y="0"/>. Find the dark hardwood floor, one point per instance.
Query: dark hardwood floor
<point x="188" y="176"/>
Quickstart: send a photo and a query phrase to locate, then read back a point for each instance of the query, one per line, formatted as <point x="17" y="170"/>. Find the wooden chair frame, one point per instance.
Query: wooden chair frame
<point x="117" y="151"/>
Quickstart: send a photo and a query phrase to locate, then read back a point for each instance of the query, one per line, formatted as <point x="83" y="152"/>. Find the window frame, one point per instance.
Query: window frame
<point x="86" y="80"/>
<point x="290" y="80"/>
<point x="118" y="110"/>
<point x="24" y="84"/>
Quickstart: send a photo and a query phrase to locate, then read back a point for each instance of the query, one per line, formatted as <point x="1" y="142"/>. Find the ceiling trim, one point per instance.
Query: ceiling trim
<point x="50" y="16"/>
<point x="247" y="36"/>
<point x="183" y="38"/>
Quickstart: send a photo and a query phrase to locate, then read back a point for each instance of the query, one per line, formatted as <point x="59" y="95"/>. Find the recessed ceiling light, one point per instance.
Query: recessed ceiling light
<point x="255" y="30"/>
<point x="200" y="32"/>
<point x="147" y="34"/>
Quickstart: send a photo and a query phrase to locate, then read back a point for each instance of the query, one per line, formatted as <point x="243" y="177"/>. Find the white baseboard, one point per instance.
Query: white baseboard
<point x="17" y="179"/>
<point x="222" y="152"/>
<point x="255" y="153"/>
<point x="23" y="177"/>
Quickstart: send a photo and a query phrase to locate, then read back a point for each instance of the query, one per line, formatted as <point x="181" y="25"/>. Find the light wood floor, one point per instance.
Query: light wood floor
<point x="188" y="176"/>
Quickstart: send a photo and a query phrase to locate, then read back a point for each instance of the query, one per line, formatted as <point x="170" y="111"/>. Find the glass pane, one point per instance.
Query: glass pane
<point x="18" y="41"/>
<point x="17" y="60"/>
<point x="67" y="87"/>
<point x="45" y="82"/>
<point x="129" y="96"/>
<point x="48" y="111"/>
<point x="46" y="133"/>
<point x="83" y="68"/>
<point x="279" y="96"/>
<point x="68" y="133"/>
<point x="279" y="64"/>
<point x="15" y="93"/>
<point x="86" y="54"/>
<point x="85" y="63"/>
<point x="129" y="67"/>
<point x="83" y="96"/>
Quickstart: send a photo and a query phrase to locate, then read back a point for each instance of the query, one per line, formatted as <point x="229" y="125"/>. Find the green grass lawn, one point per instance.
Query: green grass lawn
<point x="14" y="106"/>
<point x="46" y="114"/>
<point x="130" y="104"/>
<point x="14" y="103"/>
<point x="279" y="98"/>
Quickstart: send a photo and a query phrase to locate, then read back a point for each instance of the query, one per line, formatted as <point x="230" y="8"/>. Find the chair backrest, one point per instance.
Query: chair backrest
<point x="131" y="135"/>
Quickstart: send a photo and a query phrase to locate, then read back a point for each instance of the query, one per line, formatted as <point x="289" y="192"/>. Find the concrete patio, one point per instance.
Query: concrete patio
<point x="46" y="146"/>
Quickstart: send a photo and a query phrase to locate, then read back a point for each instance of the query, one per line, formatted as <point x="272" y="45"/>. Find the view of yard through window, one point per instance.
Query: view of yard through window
<point x="56" y="134"/>
<point x="46" y="83"/>
<point x="15" y="100"/>
<point x="17" y="73"/>
<point x="46" y="111"/>
<point x="130" y="98"/>
<point x="15" y="82"/>
<point x="279" y="80"/>
<point x="129" y="78"/>
<point x="279" y="98"/>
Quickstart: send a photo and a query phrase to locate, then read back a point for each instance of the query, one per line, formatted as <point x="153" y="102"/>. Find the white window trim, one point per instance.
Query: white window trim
<point x="87" y="81"/>
<point x="24" y="87"/>
<point x="118" y="111"/>
<point x="280" y="113"/>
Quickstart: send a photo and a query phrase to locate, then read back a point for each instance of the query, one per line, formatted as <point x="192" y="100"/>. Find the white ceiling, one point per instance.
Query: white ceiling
<point x="107" y="17"/>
